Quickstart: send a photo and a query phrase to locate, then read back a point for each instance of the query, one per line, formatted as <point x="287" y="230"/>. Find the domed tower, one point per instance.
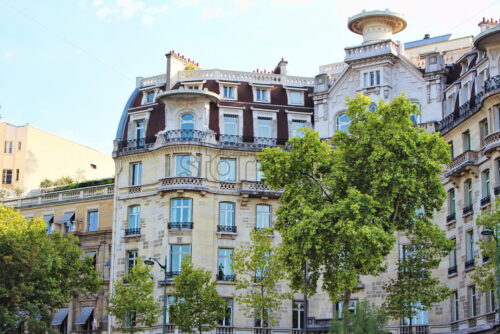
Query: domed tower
<point x="376" y="25"/>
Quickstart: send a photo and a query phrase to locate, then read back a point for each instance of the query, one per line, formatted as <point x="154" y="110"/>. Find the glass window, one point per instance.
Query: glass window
<point x="167" y="165"/>
<point x="365" y="80"/>
<point x="139" y="133"/>
<point x="485" y="178"/>
<point x="484" y="131"/>
<point x="468" y="192"/>
<point x="491" y="301"/>
<point x="8" y="147"/>
<point x="260" y="173"/>
<point x="377" y="75"/>
<point x="93" y="220"/>
<point x="183" y="165"/>
<point x="187" y="126"/>
<point x="131" y="260"/>
<point x="19" y="146"/>
<point x="227" y="170"/>
<point x="225" y="271"/>
<point x="228" y="316"/>
<point x="469" y="239"/>
<point x="453" y="254"/>
<point x="298" y="314"/>
<point x="177" y="254"/>
<point x="372" y="79"/>
<point x="352" y="307"/>
<point x="7" y="176"/>
<point x="454" y="306"/>
<point x="421" y="318"/>
<point x="261" y="94"/>
<point x="263" y="216"/>
<point x="231" y="125"/>
<point x="264" y="127"/>
<point x="472" y="301"/>
<point x="343" y="122"/>
<point x="372" y="107"/>
<point x="295" y="98"/>
<point x="181" y="210"/>
<point x="17" y="174"/>
<point x="134" y="216"/>
<point x="451" y="196"/>
<point x="197" y="165"/>
<point x="49" y="220"/>
<point x="452" y="151"/>
<point x="466" y="141"/>
<point x="226" y="214"/>
<point x="228" y="92"/>
<point x="416" y="119"/>
<point x="262" y="319"/>
<point x="296" y="125"/>
<point x="150" y="97"/>
<point x="136" y="174"/>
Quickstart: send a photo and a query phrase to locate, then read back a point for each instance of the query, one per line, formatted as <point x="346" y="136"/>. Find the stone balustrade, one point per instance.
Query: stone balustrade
<point x="371" y="50"/>
<point x="460" y="162"/>
<point x="491" y="142"/>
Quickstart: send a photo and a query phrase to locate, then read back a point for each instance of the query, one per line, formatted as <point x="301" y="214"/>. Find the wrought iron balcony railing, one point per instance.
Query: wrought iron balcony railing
<point x="133" y="231"/>
<point x="469" y="264"/>
<point x="180" y="225"/>
<point x="225" y="277"/>
<point x="485" y="200"/>
<point x="468" y="210"/>
<point x="226" y="228"/>
<point x="451" y="217"/>
<point x="452" y="270"/>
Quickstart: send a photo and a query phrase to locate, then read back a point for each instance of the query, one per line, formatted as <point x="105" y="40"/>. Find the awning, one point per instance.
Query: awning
<point x="66" y="217"/>
<point x="60" y="316"/>
<point x="48" y="218"/>
<point x="84" y="315"/>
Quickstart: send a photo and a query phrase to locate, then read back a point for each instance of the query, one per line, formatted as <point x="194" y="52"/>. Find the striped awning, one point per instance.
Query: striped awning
<point x="84" y="315"/>
<point x="68" y="216"/>
<point x="59" y="317"/>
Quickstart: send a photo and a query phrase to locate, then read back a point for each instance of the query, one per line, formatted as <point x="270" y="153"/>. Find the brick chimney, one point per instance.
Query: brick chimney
<point x="487" y="24"/>
<point x="281" y="67"/>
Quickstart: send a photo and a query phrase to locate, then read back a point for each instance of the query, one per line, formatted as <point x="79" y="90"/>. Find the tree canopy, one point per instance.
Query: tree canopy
<point x="132" y="302"/>
<point x="39" y="273"/>
<point x="344" y="198"/>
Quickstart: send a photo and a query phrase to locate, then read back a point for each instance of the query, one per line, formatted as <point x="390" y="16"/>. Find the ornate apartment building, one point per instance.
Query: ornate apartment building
<point x="86" y="212"/>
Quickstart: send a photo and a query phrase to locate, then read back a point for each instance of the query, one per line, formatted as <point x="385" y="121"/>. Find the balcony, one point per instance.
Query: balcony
<point x="136" y="145"/>
<point x="257" y="188"/>
<point x="462" y="163"/>
<point x="417" y="329"/>
<point x="451" y="217"/>
<point x="224" y="330"/>
<point x="180" y="226"/>
<point x="135" y="231"/>
<point x="226" y="229"/>
<point x="185" y="136"/>
<point x="469" y="264"/>
<point x="225" y="278"/>
<point x="485" y="200"/>
<point x="387" y="47"/>
<point x="469" y="209"/>
<point x="491" y="142"/>
<point x="184" y="183"/>
<point x="452" y="270"/>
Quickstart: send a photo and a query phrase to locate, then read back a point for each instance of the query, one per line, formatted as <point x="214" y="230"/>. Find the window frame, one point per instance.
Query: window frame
<point x="180" y="209"/>
<point x="469" y="245"/>
<point x="262" y="214"/>
<point x="231" y="174"/>
<point x="298" y="314"/>
<point x="136" y="173"/>
<point x="178" y="162"/>
<point x="227" y="213"/>
<point x="128" y="259"/>
<point x="135" y="215"/>
<point x="227" y="262"/>
<point x="181" y="254"/>
<point x="90" y="213"/>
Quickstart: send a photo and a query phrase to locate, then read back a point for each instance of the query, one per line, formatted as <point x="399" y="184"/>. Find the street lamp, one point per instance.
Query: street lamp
<point x="488" y="231"/>
<point x="150" y="262"/>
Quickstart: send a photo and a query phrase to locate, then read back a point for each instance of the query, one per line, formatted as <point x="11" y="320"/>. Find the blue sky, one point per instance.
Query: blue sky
<point x="68" y="67"/>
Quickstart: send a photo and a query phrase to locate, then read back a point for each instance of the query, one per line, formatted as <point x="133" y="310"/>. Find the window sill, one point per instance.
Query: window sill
<point x="452" y="275"/>
<point x="465" y="215"/>
<point x="132" y="236"/>
<point x="469" y="269"/>
<point x="226" y="235"/>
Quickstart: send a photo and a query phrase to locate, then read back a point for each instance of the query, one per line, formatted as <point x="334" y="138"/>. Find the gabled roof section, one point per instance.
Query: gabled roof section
<point x="426" y="41"/>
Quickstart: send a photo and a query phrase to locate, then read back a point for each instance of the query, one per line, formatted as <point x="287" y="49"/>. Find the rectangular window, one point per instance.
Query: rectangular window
<point x="340" y="305"/>
<point x="134" y="216"/>
<point x="366" y="81"/>
<point x="167" y="165"/>
<point x="472" y="301"/>
<point x="377" y="75"/>
<point x="263" y="216"/>
<point x="93" y="256"/>
<point x="177" y="254"/>
<point x="261" y="94"/>
<point x="491" y="301"/>
<point x="262" y="319"/>
<point x="180" y="210"/>
<point x="484" y="131"/>
<point x="228" y="315"/>
<point x="372" y="79"/>
<point x="131" y="260"/>
<point x="451" y="196"/>
<point x="8" y="147"/>
<point x="7" y="176"/>
<point x="298" y="314"/>
<point x="93" y="220"/>
<point x="260" y="174"/>
<point x="19" y="146"/>
<point x="468" y="192"/>
<point x="454" y="306"/>
<point x="226" y="214"/>
<point x="139" y="133"/>
<point x="17" y="174"/>
<point x="452" y="151"/>
<point x="295" y="98"/>
<point x="150" y="97"/>
<point x="224" y="263"/>
<point x="228" y="92"/>
<point x="469" y="239"/>
<point x="49" y="220"/>
<point x="197" y="165"/>
<point x="264" y="127"/>
<point x="421" y="318"/>
<point x="453" y="255"/>
<point x="466" y="140"/>
<point x="136" y="174"/>
<point x="183" y="165"/>
<point x="296" y="125"/>
<point x="231" y="125"/>
<point x="485" y="180"/>
<point x="227" y="170"/>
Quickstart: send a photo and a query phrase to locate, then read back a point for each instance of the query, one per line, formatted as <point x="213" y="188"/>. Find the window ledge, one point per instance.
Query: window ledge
<point x="452" y="275"/>
<point x="231" y="235"/>
<point x="132" y="236"/>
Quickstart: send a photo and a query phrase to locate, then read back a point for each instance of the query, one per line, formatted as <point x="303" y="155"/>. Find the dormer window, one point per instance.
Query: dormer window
<point x="198" y="85"/>
<point x="371" y="78"/>
<point x="295" y="95"/>
<point x="150" y="97"/>
<point x="261" y="95"/>
<point x="228" y="92"/>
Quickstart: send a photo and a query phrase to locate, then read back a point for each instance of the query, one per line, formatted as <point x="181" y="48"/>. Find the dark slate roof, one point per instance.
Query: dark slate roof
<point x="426" y="41"/>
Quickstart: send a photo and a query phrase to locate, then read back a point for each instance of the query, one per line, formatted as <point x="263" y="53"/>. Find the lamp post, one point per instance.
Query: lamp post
<point x="150" y="262"/>
<point x="488" y="231"/>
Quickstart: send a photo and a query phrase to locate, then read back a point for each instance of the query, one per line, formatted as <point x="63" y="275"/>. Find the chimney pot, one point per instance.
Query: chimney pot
<point x="427" y="36"/>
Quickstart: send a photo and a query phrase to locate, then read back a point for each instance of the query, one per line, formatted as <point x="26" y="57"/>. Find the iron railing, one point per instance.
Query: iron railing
<point x="225" y="278"/>
<point x="133" y="231"/>
<point x="225" y="228"/>
<point x="485" y="200"/>
<point x="452" y="270"/>
<point x="180" y="225"/>
<point x="468" y="209"/>
<point x="469" y="264"/>
<point x="451" y="217"/>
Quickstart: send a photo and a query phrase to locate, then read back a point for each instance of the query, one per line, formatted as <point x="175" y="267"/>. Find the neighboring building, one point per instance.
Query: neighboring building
<point x="30" y="155"/>
<point x="87" y="214"/>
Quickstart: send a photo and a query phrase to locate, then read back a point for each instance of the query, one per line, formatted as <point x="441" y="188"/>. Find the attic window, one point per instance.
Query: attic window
<point x="150" y="97"/>
<point x="93" y="166"/>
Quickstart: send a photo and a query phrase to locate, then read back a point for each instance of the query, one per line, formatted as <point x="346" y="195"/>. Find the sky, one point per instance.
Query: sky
<point x="68" y="67"/>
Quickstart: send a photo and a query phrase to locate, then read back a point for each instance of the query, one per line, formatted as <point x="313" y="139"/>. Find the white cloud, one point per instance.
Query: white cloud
<point x="8" y="54"/>
<point x="128" y="9"/>
<point x="209" y="13"/>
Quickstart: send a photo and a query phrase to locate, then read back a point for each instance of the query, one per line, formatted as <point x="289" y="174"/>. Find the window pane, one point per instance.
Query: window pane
<point x="296" y="125"/>
<point x="230" y="125"/>
<point x="227" y="170"/>
<point x="93" y="220"/>
<point x="264" y="127"/>
<point x="343" y="122"/>
<point x="183" y="165"/>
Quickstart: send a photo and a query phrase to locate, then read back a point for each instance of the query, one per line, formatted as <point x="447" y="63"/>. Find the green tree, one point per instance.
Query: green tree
<point x="258" y="271"/>
<point x="367" y="318"/>
<point x="132" y="303"/>
<point x="343" y="199"/>
<point x="415" y="289"/>
<point x="39" y="273"/>
<point x="198" y="306"/>
<point x="485" y="276"/>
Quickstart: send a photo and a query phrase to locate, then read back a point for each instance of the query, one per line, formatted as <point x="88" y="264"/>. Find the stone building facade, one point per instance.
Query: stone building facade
<point x="86" y="213"/>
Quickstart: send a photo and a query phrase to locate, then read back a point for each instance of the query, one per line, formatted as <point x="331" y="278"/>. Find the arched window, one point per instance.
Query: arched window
<point x="416" y="118"/>
<point x="372" y="107"/>
<point x="187" y="126"/>
<point x="343" y="122"/>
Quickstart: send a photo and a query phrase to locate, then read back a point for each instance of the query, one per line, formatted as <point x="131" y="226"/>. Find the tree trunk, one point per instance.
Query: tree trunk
<point x="345" y="309"/>
<point x="411" y="323"/>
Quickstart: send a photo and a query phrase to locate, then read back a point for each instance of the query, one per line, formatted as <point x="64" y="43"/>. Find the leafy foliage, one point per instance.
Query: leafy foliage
<point x="258" y="271"/>
<point x="133" y="303"/>
<point x="367" y="319"/>
<point x="62" y="181"/>
<point x="344" y="198"/>
<point x="198" y="306"/>
<point x="39" y="273"/>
